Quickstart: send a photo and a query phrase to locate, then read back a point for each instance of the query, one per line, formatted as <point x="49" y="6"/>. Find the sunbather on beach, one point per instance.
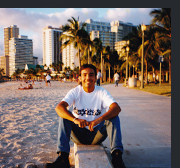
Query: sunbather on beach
<point x="93" y="118"/>
<point x="28" y="87"/>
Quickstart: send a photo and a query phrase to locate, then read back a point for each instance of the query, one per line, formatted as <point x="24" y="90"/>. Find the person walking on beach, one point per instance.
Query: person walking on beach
<point x="98" y="77"/>
<point x="116" y="79"/>
<point x="48" y="78"/>
<point x="93" y="118"/>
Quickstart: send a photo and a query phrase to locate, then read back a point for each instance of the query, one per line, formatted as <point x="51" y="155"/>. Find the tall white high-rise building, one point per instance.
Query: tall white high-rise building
<point x="107" y="38"/>
<point x="9" y="32"/>
<point x="101" y="30"/>
<point x="69" y="56"/>
<point x="51" y="45"/>
<point x="108" y="33"/>
<point x="121" y="29"/>
<point x="20" y="53"/>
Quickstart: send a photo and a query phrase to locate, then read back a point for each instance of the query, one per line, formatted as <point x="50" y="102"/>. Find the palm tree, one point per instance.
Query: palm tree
<point x="18" y="72"/>
<point x="74" y="34"/>
<point x="162" y="20"/>
<point x="135" y="41"/>
<point x="59" y="65"/>
<point x="99" y="51"/>
<point x="108" y="60"/>
<point x="89" y="49"/>
<point x="97" y="47"/>
<point x="150" y="47"/>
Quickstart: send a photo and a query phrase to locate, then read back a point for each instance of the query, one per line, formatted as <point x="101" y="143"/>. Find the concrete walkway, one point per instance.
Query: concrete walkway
<point x="145" y="125"/>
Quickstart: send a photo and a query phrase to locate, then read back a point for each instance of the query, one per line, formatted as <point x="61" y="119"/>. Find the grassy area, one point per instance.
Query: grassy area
<point x="164" y="89"/>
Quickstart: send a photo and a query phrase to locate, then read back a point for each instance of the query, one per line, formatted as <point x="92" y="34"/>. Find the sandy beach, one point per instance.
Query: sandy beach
<point x="29" y="123"/>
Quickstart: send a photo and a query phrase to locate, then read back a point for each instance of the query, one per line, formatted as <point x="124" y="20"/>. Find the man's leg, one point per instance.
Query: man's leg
<point x="98" y="82"/>
<point x="114" y="134"/>
<point x="64" y="132"/>
<point x="112" y="129"/>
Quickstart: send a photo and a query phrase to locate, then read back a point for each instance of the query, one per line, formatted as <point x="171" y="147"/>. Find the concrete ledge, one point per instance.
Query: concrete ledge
<point x="90" y="156"/>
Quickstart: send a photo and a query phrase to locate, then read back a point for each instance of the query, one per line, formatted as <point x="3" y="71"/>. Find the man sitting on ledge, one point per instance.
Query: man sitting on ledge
<point x="94" y="117"/>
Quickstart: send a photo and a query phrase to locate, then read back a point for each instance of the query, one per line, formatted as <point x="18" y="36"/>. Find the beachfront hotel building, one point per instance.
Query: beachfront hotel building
<point x="101" y="30"/>
<point x="51" y="45"/>
<point x="69" y="56"/>
<point x="109" y="33"/>
<point x="9" y="32"/>
<point x="20" y="53"/>
<point x="4" y="64"/>
<point x="121" y="29"/>
<point x="107" y="38"/>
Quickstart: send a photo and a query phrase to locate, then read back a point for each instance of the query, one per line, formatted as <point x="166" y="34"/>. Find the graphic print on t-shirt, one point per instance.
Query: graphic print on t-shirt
<point x="88" y="112"/>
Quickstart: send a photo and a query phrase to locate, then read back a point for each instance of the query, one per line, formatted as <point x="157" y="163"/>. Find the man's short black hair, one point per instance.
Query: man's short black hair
<point x="88" y="66"/>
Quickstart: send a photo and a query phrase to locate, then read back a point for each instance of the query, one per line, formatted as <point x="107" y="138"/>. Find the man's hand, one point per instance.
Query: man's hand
<point x="94" y="123"/>
<point x="81" y="123"/>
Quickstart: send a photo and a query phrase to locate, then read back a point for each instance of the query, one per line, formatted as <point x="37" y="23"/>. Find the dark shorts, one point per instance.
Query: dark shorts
<point x="98" y="82"/>
<point x="48" y="81"/>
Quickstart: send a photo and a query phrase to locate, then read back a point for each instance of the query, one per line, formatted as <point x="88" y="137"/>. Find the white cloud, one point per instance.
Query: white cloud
<point x="83" y="14"/>
<point x="132" y="15"/>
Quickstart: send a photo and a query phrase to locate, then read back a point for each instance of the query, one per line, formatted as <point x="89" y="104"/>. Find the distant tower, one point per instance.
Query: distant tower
<point x="69" y="57"/>
<point x="108" y="33"/>
<point x="51" y="45"/>
<point x="121" y="29"/>
<point x="9" y="32"/>
<point x="20" y="52"/>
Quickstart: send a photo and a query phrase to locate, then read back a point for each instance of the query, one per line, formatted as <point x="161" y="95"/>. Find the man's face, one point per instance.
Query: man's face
<point x="88" y="79"/>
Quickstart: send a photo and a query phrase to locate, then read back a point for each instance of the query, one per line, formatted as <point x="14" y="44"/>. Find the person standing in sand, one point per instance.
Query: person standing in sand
<point x="93" y="118"/>
<point x="48" y="80"/>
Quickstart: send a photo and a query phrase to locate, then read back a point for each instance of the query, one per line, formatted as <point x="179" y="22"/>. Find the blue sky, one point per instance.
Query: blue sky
<point x="31" y="21"/>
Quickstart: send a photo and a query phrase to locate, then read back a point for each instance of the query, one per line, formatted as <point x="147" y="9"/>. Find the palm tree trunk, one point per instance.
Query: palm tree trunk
<point x="153" y="74"/>
<point x="102" y="67"/>
<point x="88" y="56"/>
<point x="109" y="74"/>
<point x="79" y="57"/>
<point x="146" y="81"/>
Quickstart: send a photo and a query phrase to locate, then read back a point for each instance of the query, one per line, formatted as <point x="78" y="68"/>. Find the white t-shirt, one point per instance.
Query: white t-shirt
<point x="48" y="77"/>
<point x="116" y="76"/>
<point x="88" y="106"/>
<point x="98" y="75"/>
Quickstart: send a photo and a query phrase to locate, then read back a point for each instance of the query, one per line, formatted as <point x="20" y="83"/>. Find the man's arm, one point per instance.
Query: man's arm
<point x="114" y="110"/>
<point x="62" y="111"/>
